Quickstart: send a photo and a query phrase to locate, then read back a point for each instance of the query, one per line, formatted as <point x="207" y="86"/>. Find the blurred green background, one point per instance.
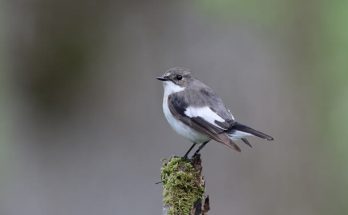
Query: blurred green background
<point x="82" y="130"/>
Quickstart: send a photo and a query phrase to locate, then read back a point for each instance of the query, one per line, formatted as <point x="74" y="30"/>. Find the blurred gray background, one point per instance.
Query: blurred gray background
<point x="82" y="129"/>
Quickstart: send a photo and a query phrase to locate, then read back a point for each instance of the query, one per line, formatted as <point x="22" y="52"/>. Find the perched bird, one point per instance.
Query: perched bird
<point x="195" y="111"/>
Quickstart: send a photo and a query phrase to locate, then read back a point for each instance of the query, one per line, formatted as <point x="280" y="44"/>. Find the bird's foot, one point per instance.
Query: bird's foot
<point x="186" y="158"/>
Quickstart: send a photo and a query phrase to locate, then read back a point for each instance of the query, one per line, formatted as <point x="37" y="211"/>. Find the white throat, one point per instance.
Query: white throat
<point x="170" y="87"/>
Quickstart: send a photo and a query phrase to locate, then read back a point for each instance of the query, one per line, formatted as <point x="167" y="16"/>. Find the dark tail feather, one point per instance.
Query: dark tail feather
<point x="235" y="146"/>
<point x="240" y="127"/>
<point x="245" y="140"/>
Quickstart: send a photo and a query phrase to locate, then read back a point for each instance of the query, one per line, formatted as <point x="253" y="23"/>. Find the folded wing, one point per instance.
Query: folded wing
<point x="202" y="119"/>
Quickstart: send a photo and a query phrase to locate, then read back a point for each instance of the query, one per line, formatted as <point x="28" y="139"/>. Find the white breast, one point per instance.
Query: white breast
<point x="177" y="125"/>
<point x="180" y="127"/>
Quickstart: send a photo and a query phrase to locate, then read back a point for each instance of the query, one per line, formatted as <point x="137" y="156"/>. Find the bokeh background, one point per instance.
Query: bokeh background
<point x="82" y="130"/>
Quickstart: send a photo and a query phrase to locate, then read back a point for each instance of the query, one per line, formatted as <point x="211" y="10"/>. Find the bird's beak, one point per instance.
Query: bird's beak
<point x="162" y="78"/>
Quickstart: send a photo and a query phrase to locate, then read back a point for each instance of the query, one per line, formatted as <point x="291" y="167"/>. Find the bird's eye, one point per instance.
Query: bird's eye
<point x="179" y="77"/>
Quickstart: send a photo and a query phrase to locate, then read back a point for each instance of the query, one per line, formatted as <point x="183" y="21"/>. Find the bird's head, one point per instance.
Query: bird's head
<point x="176" y="77"/>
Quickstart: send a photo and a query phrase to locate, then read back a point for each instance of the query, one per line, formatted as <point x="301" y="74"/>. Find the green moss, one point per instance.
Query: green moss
<point x="182" y="185"/>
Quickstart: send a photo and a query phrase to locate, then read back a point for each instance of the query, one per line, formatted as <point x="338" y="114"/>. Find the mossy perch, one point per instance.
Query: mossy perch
<point x="183" y="187"/>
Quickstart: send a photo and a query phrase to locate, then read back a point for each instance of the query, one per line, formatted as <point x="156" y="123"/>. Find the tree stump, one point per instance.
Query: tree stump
<point x="183" y="187"/>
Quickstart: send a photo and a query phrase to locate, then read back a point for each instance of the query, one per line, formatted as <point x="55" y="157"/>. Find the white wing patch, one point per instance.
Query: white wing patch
<point x="206" y="113"/>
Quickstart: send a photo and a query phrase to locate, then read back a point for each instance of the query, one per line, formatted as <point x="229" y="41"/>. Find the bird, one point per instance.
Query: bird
<point x="196" y="112"/>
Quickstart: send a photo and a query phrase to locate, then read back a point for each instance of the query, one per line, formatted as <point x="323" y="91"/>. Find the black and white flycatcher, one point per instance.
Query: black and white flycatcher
<point x="195" y="111"/>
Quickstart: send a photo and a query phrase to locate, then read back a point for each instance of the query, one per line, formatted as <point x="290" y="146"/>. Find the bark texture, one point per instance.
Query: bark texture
<point x="183" y="187"/>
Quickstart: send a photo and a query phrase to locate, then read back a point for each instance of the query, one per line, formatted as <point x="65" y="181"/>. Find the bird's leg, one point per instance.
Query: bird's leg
<point x="190" y="149"/>
<point x="200" y="148"/>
